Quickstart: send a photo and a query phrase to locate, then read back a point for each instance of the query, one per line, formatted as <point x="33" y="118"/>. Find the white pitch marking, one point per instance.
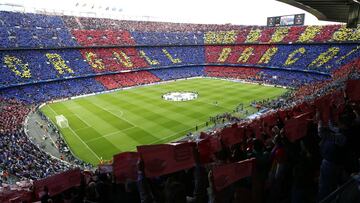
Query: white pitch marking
<point x="79" y="138"/>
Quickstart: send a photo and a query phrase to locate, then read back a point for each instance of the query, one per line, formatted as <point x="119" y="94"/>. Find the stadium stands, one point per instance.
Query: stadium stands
<point x="127" y="79"/>
<point x="177" y="73"/>
<point x="44" y="58"/>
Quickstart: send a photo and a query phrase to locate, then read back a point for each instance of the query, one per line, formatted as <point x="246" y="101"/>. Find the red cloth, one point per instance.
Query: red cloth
<point x="256" y="127"/>
<point x="338" y="104"/>
<point x="296" y="128"/>
<point x="282" y="114"/>
<point x="225" y="175"/>
<point x="163" y="159"/>
<point x="59" y="182"/>
<point x="269" y="121"/>
<point x="207" y="147"/>
<point x="125" y="166"/>
<point x="231" y="135"/>
<point x="353" y="90"/>
<point x="323" y="104"/>
<point x="305" y="107"/>
<point x="16" y="196"/>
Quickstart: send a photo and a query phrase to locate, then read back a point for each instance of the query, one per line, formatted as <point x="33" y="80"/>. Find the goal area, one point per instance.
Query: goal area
<point x="61" y="121"/>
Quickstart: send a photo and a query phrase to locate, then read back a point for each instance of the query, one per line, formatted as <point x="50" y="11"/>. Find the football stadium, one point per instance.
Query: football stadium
<point x="100" y="107"/>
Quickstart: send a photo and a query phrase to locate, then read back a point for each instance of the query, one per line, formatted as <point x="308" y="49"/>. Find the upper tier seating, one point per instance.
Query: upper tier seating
<point x="25" y="30"/>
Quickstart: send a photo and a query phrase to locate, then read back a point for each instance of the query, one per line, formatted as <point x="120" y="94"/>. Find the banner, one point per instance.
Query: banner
<point x="269" y="121"/>
<point x="227" y="174"/>
<point x="297" y="127"/>
<point x="256" y="128"/>
<point x="58" y="183"/>
<point x="207" y="148"/>
<point x="125" y="166"/>
<point x="231" y="135"/>
<point x="9" y="196"/>
<point x="305" y="107"/>
<point x="353" y="90"/>
<point x="283" y="114"/>
<point x="323" y="105"/>
<point x="163" y="159"/>
<point x="337" y="104"/>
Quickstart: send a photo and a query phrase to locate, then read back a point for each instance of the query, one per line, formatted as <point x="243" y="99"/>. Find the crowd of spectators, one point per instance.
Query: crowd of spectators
<point x="33" y="30"/>
<point x="268" y="76"/>
<point x="42" y="92"/>
<point x="27" y="30"/>
<point x="12" y="113"/>
<point x="127" y="79"/>
<point x="18" y="156"/>
<point x="178" y="73"/>
<point x="247" y="73"/>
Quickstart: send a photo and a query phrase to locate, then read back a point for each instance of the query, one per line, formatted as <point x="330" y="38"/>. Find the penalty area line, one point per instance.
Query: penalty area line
<point x="78" y="137"/>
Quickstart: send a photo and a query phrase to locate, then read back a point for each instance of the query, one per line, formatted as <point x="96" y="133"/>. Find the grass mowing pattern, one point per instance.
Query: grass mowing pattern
<point x="107" y="124"/>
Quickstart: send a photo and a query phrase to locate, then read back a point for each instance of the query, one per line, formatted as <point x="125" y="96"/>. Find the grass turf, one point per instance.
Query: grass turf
<point x="103" y="125"/>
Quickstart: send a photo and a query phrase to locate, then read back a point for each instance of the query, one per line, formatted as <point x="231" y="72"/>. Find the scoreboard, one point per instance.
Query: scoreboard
<point x="288" y="20"/>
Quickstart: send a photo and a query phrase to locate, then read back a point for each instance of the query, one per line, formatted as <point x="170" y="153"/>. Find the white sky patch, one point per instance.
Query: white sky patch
<point x="239" y="12"/>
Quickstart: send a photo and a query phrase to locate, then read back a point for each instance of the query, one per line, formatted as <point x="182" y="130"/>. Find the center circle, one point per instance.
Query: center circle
<point x="180" y="96"/>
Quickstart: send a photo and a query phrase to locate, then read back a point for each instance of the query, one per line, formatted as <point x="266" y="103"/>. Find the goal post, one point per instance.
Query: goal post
<point x="61" y="121"/>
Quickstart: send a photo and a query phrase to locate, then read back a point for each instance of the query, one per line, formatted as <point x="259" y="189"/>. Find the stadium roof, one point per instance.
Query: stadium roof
<point x="245" y="12"/>
<point x="330" y="10"/>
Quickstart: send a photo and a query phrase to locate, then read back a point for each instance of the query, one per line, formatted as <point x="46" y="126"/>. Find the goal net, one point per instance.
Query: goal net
<point x="61" y="121"/>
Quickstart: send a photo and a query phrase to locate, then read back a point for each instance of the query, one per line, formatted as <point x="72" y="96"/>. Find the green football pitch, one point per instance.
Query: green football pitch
<point x="103" y="125"/>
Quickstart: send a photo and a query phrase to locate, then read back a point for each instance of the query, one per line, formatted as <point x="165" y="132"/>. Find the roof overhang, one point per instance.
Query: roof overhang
<point x="346" y="11"/>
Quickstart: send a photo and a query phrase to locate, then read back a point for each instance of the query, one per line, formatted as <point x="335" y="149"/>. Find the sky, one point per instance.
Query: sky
<point x="239" y="12"/>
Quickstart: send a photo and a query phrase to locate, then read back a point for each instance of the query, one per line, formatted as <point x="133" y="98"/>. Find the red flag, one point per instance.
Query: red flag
<point x="323" y="105"/>
<point x="305" y="107"/>
<point x="207" y="147"/>
<point x="353" y="90"/>
<point x="296" y="128"/>
<point x="231" y="135"/>
<point x="125" y="166"/>
<point x="163" y="159"/>
<point x="59" y="182"/>
<point x="256" y="127"/>
<point x="269" y="121"/>
<point x="282" y="114"/>
<point x="16" y="196"/>
<point x="225" y="175"/>
<point x="338" y="104"/>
